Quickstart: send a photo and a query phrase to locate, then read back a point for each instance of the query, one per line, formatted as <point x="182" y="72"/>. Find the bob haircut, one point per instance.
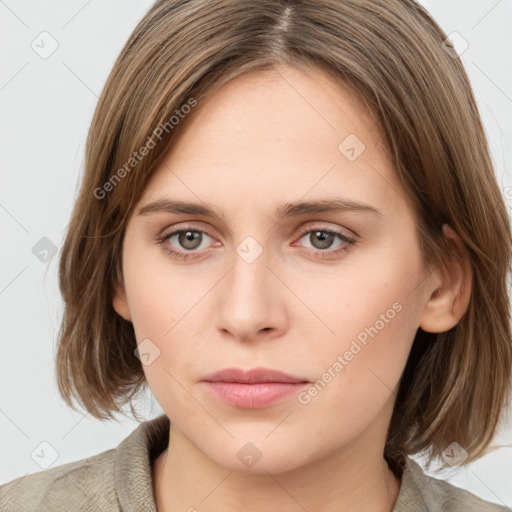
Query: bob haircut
<point x="391" y="54"/>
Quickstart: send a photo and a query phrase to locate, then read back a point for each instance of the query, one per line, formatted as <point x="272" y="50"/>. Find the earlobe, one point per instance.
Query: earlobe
<point x="451" y="289"/>
<point x="120" y="303"/>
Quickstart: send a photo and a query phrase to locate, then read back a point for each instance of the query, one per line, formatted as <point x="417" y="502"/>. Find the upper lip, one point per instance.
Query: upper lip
<point x="252" y="376"/>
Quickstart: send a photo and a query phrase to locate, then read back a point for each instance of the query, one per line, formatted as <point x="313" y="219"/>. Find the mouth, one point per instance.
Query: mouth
<point x="253" y="389"/>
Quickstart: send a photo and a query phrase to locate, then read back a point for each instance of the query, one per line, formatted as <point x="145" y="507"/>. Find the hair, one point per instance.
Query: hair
<point x="395" y="57"/>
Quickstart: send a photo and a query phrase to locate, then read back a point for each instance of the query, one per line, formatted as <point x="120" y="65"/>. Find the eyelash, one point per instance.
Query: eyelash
<point x="192" y="254"/>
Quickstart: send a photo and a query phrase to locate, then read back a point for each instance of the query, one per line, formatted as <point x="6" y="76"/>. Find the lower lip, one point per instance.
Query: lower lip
<point x="253" y="396"/>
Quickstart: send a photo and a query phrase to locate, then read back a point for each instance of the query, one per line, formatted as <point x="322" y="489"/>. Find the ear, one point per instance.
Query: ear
<point x="120" y="302"/>
<point x="450" y="290"/>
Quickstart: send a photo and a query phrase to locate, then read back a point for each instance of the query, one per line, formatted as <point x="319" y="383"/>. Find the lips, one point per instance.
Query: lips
<point x="253" y="376"/>
<point x="253" y="389"/>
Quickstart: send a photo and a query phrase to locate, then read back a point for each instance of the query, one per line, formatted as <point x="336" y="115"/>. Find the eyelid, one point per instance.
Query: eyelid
<point x="183" y="226"/>
<point x="314" y="225"/>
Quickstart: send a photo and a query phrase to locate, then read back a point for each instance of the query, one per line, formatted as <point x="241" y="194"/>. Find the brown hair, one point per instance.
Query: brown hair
<point x="456" y="383"/>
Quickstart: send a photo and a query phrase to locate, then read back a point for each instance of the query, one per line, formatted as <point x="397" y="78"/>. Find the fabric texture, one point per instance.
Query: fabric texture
<point x="120" y="479"/>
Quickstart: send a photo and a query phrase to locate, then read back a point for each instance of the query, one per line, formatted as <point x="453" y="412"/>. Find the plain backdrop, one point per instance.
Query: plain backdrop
<point x="47" y="102"/>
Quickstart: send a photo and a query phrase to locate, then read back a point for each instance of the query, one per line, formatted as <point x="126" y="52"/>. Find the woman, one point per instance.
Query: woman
<point x="283" y="230"/>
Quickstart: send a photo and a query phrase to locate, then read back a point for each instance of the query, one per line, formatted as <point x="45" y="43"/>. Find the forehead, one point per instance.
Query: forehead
<point x="281" y="104"/>
<point x="292" y="131"/>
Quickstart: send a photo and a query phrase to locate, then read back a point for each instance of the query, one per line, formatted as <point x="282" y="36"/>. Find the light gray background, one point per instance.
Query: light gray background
<point x="47" y="105"/>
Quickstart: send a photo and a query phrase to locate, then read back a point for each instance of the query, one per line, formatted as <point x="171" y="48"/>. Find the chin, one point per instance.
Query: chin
<point x="258" y="457"/>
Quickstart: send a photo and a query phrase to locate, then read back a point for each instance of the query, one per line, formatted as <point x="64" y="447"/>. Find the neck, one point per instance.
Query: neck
<point x="355" y="478"/>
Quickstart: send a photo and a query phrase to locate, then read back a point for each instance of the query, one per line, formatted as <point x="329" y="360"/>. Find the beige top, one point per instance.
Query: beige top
<point x="120" y="480"/>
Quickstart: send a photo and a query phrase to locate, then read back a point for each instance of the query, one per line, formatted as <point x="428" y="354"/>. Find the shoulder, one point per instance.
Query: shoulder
<point x="434" y="495"/>
<point x="84" y="485"/>
<point x="113" y="480"/>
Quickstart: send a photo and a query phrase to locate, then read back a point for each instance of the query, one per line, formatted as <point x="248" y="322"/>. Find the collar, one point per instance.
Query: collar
<point x="134" y="458"/>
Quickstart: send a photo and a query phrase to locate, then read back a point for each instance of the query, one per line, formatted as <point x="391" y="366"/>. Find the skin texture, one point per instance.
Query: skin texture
<point x="262" y="140"/>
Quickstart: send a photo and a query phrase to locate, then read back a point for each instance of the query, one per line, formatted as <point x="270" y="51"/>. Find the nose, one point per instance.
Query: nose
<point x="250" y="303"/>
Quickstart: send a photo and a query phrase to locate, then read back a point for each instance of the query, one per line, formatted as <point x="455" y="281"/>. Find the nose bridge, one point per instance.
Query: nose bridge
<point x="249" y="277"/>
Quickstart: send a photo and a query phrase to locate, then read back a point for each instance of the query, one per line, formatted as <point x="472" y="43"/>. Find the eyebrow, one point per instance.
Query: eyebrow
<point x="285" y="210"/>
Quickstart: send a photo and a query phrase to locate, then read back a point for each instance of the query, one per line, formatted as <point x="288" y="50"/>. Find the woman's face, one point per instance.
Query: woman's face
<point x="331" y="295"/>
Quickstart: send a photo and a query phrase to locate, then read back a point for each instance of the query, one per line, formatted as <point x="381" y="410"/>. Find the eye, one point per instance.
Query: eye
<point x="188" y="239"/>
<point x="323" y="239"/>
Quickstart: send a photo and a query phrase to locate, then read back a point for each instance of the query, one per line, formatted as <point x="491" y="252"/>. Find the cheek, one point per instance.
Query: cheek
<point x="368" y="322"/>
<point x="371" y="298"/>
<point x="158" y="294"/>
<point x="164" y="304"/>
<point x="151" y="300"/>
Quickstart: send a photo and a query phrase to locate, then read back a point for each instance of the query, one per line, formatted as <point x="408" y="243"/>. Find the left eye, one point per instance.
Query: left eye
<point x="324" y="238"/>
